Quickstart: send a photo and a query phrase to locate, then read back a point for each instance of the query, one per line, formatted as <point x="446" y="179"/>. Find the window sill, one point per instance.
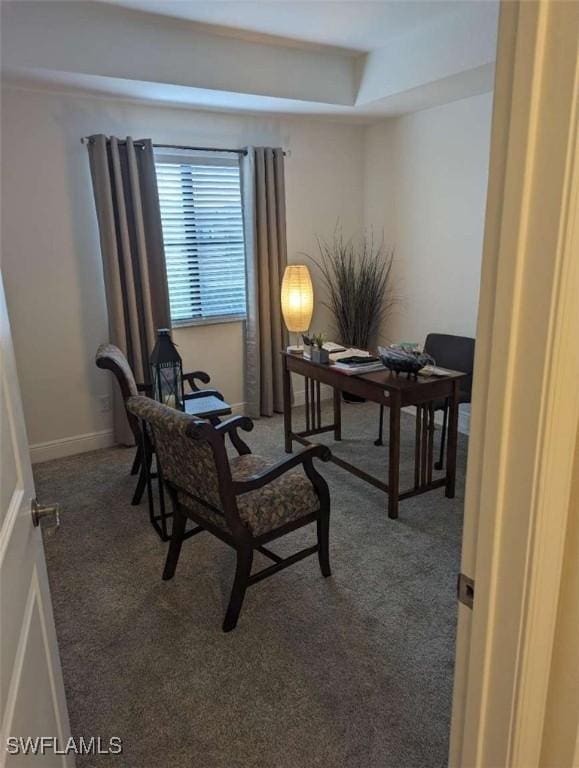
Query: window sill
<point x="208" y="321"/>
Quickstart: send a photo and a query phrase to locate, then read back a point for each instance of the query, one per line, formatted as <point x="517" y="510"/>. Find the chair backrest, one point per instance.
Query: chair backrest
<point x="112" y="359"/>
<point x="188" y="450"/>
<point x="454" y="352"/>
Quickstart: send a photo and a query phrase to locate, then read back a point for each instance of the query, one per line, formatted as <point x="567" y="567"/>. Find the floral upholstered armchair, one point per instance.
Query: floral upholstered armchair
<point x="246" y="501"/>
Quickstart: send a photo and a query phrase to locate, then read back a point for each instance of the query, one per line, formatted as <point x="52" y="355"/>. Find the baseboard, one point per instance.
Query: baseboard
<point x="69" y="446"/>
<point x="463" y="417"/>
<point x="326" y="393"/>
<point x="93" y="441"/>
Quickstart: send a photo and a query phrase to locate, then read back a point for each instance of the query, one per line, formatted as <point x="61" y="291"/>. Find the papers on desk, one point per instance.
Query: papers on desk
<point x="353" y="369"/>
<point x="434" y="370"/>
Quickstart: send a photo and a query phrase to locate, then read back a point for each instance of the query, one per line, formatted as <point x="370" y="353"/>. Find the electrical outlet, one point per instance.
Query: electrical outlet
<point x="106" y="403"/>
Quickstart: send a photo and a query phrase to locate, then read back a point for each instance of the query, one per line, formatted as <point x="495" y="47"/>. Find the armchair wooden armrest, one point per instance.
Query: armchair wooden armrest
<point x="304" y="457"/>
<point x="190" y="379"/>
<point x="230" y="427"/>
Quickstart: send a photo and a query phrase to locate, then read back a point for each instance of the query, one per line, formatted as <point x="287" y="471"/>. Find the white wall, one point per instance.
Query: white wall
<point x="425" y="187"/>
<point x="50" y="250"/>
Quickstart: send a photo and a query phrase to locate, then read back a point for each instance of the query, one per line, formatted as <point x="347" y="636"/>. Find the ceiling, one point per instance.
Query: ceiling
<point x="352" y="60"/>
<point x="358" y="25"/>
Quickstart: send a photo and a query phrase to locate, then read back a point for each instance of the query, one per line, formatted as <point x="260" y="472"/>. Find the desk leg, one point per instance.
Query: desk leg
<point x="337" y="414"/>
<point x="452" y="442"/>
<point x="287" y="408"/>
<point x="394" y="457"/>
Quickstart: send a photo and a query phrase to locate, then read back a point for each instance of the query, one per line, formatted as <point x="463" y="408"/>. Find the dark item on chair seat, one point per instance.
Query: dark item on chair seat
<point x="204" y="403"/>
<point x="245" y="501"/>
<point x="457" y="354"/>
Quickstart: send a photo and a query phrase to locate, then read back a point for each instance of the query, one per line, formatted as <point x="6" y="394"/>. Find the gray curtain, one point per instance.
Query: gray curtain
<point x="263" y="189"/>
<point x="127" y="205"/>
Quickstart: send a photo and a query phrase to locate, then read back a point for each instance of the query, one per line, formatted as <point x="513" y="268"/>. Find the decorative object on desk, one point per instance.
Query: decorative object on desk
<point x="318" y="353"/>
<point x="167" y="372"/>
<point x="297" y="301"/>
<point x="402" y="361"/>
<point x="358" y="276"/>
<point x="357" y="273"/>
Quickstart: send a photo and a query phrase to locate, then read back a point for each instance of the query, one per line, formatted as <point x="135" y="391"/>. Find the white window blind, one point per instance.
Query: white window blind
<point x="200" y="200"/>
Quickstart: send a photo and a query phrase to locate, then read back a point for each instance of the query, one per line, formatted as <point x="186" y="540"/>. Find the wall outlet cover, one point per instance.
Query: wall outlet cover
<point x="106" y="403"/>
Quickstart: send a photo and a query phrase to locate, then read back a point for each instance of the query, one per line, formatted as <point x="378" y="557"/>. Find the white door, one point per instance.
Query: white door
<point x="525" y="412"/>
<point x="32" y="702"/>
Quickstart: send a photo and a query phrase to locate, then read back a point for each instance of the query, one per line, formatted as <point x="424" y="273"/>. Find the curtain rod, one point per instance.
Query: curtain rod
<point x="88" y="140"/>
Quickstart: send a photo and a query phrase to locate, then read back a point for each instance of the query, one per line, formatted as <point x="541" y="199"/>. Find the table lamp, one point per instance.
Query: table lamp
<point x="297" y="302"/>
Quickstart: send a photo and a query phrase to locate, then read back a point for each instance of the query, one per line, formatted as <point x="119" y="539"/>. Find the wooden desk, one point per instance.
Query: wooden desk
<point x="395" y="392"/>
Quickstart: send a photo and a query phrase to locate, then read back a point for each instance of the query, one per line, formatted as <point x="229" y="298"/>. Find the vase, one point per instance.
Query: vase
<point x="320" y="355"/>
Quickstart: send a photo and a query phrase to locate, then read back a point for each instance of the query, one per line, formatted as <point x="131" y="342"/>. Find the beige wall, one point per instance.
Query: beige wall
<point x="425" y="188"/>
<point x="420" y="178"/>
<point x="50" y="251"/>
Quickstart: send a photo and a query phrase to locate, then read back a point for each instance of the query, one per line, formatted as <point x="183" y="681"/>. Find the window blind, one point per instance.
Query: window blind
<point x="200" y="200"/>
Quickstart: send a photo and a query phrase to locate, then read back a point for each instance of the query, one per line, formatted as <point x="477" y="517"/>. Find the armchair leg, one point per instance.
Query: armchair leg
<point x="142" y="481"/>
<point x="136" y="461"/>
<point x="323" y="525"/>
<point x="242" y="573"/>
<point x="179" y="523"/>
<point x="140" y="488"/>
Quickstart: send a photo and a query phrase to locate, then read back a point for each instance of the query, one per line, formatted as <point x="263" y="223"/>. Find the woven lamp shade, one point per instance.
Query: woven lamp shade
<point x="297" y="298"/>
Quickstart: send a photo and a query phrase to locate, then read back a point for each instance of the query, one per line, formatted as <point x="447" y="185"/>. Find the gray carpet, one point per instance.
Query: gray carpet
<point x="354" y="671"/>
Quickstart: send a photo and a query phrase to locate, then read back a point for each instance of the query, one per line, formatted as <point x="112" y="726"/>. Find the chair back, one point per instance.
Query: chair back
<point x="189" y="451"/>
<point x="455" y="353"/>
<point x="112" y="359"/>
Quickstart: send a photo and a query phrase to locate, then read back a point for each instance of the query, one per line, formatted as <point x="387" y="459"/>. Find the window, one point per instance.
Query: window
<point x="200" y="199"/>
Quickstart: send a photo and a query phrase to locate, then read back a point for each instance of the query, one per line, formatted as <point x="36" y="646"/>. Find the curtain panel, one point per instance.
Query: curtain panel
<point x="131" y="238"/>
<point x="263" y="190"/>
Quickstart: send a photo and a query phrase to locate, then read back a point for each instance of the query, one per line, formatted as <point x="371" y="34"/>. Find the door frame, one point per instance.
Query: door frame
<point x="525" y="410"/>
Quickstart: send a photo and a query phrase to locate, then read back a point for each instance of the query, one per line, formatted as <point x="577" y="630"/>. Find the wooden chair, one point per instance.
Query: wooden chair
<point x="246" y="501"/>
<point x="208" y="403"/>
<point x="457" y="354"/>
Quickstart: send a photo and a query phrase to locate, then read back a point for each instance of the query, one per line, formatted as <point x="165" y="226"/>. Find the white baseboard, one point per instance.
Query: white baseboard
<point x="93" y="441"/>
<point x="69" y="446"/>
<point x="463" y="417"/>
<point x="326" y="393"/>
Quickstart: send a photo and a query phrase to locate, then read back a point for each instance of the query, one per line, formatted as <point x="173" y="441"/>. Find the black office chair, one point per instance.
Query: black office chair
<point x="457" y="354"/>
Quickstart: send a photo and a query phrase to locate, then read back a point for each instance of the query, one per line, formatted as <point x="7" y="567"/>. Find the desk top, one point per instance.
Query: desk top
<point x="385" y="381"/>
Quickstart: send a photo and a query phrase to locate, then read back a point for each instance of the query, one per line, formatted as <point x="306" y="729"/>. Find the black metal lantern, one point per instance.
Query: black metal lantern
<point x="167" y="372"/>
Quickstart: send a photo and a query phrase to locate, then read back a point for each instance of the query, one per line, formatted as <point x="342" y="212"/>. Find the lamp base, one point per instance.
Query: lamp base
<point x="294" y="349"/>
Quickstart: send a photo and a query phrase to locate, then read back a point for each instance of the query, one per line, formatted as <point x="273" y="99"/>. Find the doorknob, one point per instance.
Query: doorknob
<point x="45" y="516"/>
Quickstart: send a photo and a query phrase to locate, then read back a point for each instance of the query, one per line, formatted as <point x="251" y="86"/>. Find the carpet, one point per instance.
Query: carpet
<point x="354" y="671"/>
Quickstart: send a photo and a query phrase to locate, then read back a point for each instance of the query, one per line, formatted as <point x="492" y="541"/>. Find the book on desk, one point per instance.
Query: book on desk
<point x="350" y="361"/>
<point x="355" y="361"/>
